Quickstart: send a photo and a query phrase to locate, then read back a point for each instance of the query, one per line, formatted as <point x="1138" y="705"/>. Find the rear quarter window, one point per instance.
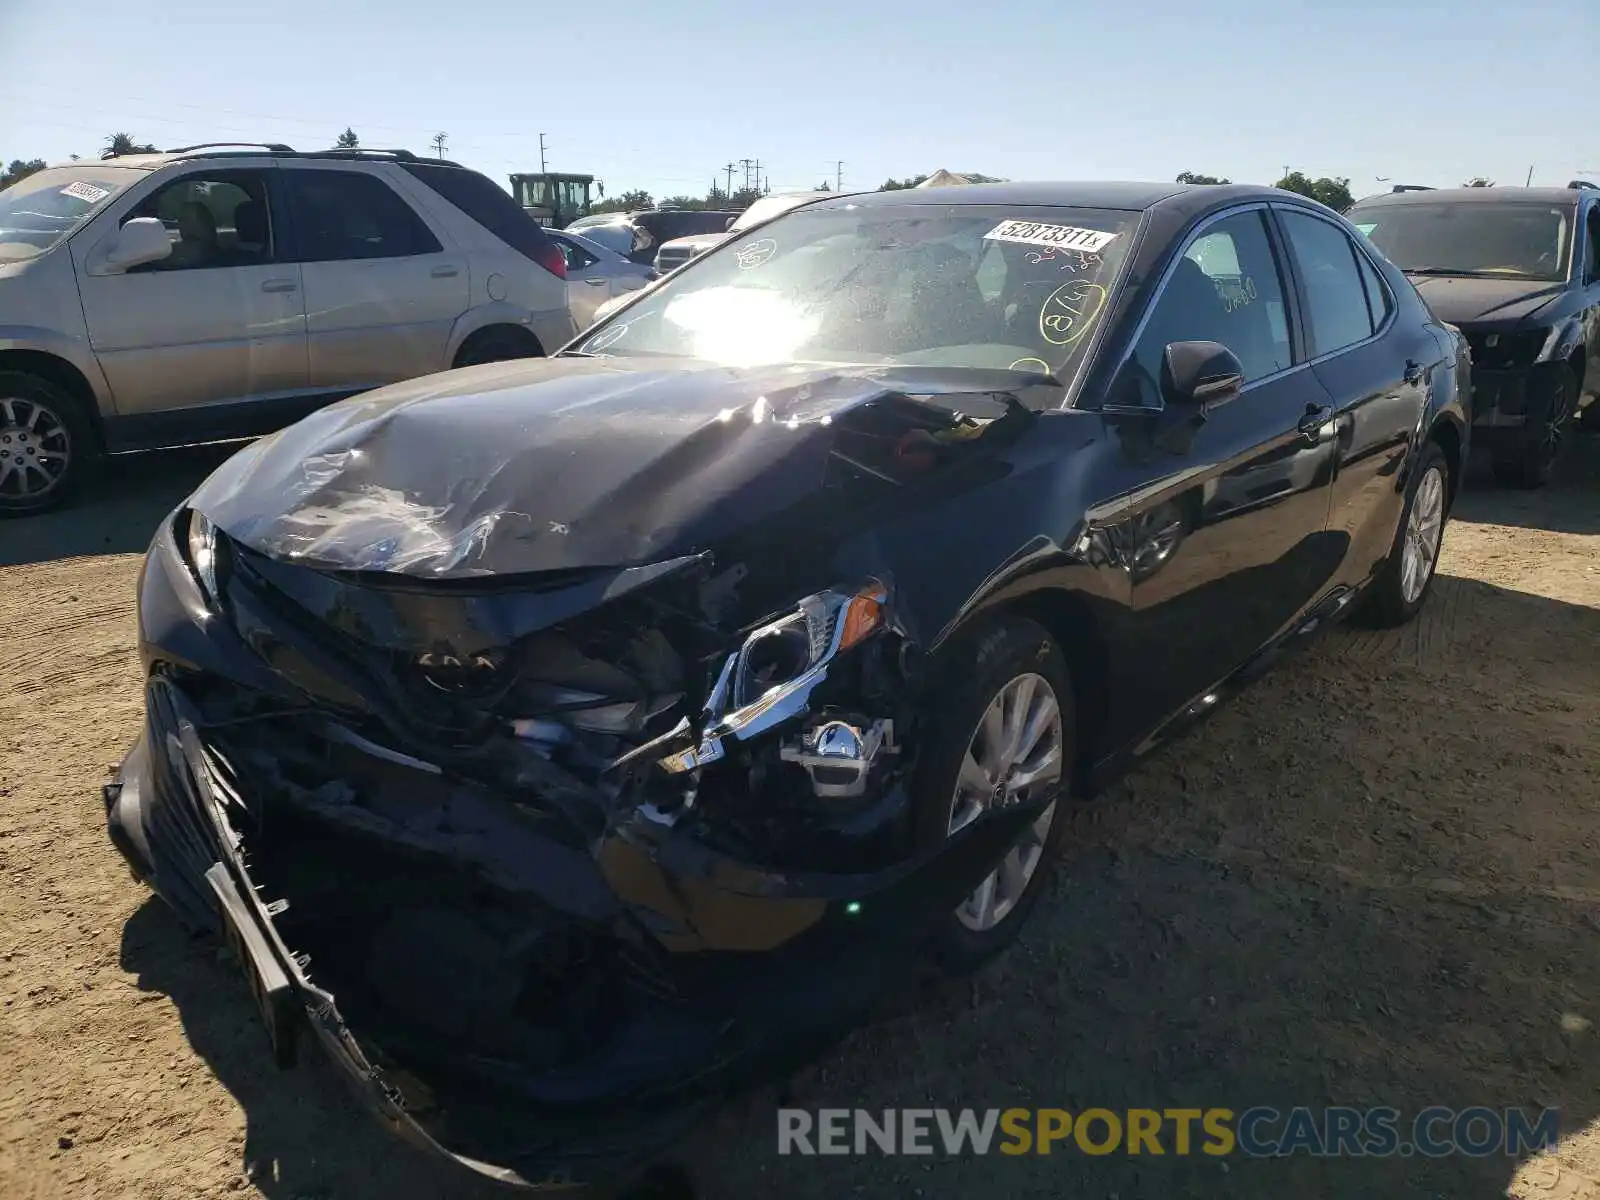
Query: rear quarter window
<point x="488" y="205"/>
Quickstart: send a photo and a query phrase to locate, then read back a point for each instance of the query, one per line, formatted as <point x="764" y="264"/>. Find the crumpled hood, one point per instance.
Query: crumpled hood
<point x="1468" y="300"/>
<point x="558" y="464"/>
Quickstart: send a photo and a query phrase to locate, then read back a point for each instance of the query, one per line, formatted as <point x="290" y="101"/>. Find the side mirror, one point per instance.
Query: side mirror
<point x="1200" y="375"/>
<point x="728" y="224"/>
<point x="142" y="240"/>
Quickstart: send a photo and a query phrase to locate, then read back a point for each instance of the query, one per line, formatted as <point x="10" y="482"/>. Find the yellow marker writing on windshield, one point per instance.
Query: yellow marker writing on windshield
<point x="1069" y="311"/>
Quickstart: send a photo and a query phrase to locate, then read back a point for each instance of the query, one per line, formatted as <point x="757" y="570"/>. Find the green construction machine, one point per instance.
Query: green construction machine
<point x="556" y="199"/>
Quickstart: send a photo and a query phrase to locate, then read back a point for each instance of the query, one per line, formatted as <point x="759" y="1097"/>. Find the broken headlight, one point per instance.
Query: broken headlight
<point x="770" y="678"/>
<point x="201" y="549"/>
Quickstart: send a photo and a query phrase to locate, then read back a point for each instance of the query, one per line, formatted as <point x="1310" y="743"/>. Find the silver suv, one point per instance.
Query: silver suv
<point x="211" y="293"/>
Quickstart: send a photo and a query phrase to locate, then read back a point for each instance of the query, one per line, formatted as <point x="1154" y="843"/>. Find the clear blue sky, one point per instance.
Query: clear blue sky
<point x="657" y="94"/>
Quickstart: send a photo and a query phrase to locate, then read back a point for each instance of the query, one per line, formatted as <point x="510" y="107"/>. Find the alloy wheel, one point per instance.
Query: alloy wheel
<point x="35" y="449"/>
<point x="1555" y="426"/>
<point x="1424" y="530"/>
<point x="1013" y="755"/>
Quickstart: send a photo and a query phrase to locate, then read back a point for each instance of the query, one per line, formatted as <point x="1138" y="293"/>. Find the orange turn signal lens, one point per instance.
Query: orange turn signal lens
<point x="862" y="616"/>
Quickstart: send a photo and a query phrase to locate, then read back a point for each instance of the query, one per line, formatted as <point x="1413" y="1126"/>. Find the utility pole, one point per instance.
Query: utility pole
<point x="541" y="154"/>
<point x="440" y="141"/>
<point x="747" y="163"/>
<point x="729" y="170"/>
<point x="838" y="175"/>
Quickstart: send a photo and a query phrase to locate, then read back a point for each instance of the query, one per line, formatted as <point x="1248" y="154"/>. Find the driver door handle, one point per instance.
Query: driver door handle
<point x="1312" y="422"/>
<point x="596" y="282"/>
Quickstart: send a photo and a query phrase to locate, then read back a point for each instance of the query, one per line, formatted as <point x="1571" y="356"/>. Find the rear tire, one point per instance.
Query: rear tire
<point x="1398" y="594"/>
<point x="1528" y="462"/>
<point x="1011" y="657"/>
<point x="47" y="444"/>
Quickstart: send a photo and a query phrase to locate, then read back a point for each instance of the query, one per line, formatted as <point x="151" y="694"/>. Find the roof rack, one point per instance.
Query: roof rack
<point x="363" y="151"/>
<point x="278" y="148"/>
<point x="275" y="147"/>
<point x="358" y="151"/>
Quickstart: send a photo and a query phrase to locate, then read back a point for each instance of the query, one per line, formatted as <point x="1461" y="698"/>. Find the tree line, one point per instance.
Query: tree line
<point x="1330" y="190"/>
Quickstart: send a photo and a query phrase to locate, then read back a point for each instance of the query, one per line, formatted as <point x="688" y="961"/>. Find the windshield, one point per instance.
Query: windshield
<point x="37" y="212"/>
<point x="981" y="286"/>
<point x="1515" y="240"/>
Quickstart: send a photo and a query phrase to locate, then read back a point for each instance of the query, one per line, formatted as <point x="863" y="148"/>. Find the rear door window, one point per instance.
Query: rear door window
<point x="576" y="256"/>
<point x="344" y="215"/>
<point x="1337" y="297"/>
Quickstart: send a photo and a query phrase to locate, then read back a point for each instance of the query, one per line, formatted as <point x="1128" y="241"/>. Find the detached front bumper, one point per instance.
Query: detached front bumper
<point x="166" y="816"/>
<point x="839" y="943"/>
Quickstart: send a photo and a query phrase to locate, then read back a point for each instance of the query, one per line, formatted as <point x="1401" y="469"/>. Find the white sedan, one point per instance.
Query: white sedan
<point x="595" y="274"/>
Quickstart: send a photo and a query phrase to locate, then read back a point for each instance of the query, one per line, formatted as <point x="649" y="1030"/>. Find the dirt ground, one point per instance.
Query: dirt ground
<point x="1372" y="880"/>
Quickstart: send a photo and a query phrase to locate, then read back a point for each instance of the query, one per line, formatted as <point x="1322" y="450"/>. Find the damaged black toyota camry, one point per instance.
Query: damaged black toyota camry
<point x="563" y="745"/>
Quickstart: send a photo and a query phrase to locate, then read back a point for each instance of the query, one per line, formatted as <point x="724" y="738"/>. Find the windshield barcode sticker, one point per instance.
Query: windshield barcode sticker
<point x="1033" y="233"/>
<point x="86" y="192"/>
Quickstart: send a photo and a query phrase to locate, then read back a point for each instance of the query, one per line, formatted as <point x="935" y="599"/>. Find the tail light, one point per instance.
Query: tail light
<point x="549" y="257"/>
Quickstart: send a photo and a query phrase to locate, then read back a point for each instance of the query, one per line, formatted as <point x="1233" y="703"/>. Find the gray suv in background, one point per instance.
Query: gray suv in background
<point x="218" y="292"/>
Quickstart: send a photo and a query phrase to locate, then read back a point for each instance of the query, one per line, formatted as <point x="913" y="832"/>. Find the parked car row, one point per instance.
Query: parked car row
<point x="223" y="291"/>
<point x="596" y="274"/>
<point x="638" y="236"/>
<point x="564" y="745"/>
<point x="675" y="253"/>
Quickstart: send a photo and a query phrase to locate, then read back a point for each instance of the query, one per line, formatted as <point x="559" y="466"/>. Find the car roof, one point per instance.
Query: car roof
<point x="1133" y="196"/>
<point x="1476" y="195"/>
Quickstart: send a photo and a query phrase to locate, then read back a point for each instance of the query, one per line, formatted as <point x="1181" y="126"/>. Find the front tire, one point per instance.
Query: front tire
<point x="1406" y="577"/>
<point x="1528" y="462"/>
<point x="47" y="445"/>
<point x="1004" y="734"/>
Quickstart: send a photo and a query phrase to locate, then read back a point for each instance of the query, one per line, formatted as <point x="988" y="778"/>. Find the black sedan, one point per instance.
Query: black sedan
<point x="566" y="744"/>
<point x="1517" y="270"/>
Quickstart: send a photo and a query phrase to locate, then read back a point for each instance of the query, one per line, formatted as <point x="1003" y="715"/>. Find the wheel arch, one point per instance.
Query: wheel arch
<point x="1068" y="617"/>
<point x="1446" y="434"/>
<point x="493" y="329"/>
<point x="54" y="369"/>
